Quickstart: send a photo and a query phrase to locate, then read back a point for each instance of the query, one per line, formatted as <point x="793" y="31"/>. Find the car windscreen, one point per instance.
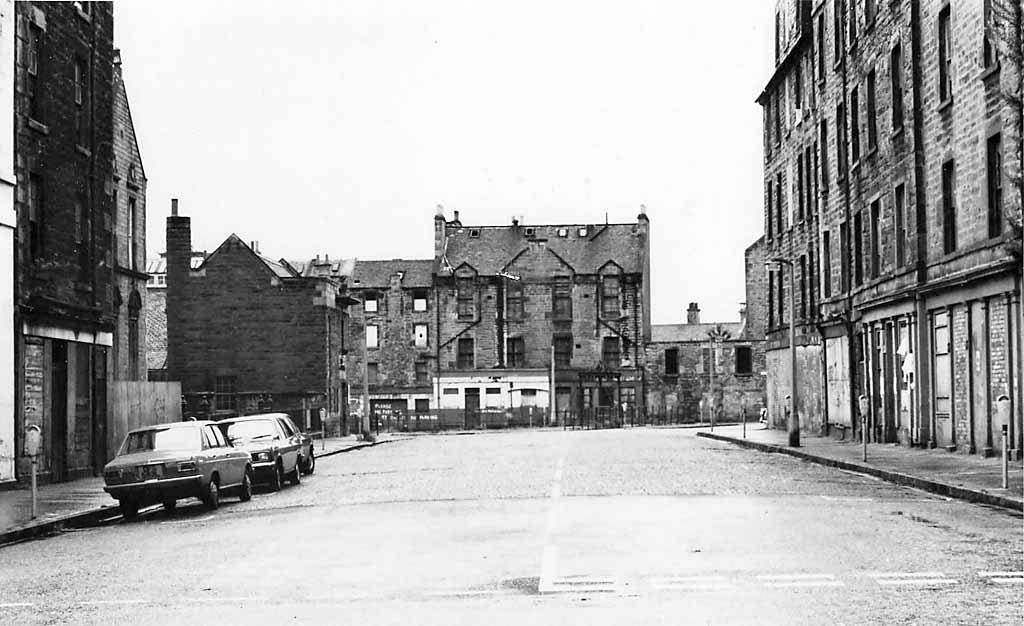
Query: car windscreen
<point x="252" y="430"/>
<point x="161" y="439"/>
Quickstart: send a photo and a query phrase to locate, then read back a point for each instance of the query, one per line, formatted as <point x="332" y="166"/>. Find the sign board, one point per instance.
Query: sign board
<point x="323" y="414"/>
<point x="864" y="409"/>
<point x="32" y="435"/>
<point x="1003" y="410"/>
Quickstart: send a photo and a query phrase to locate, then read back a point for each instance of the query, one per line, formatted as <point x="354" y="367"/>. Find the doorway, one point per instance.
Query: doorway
<point x="59" y="411"/>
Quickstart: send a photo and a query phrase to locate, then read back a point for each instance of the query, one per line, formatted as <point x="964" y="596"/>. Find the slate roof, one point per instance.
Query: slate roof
<point x="159" y="265"/>
<point x="156" y="329"/>
<point x="682" y="333"/>
<point x="489" y="249"/>
<point x="377" y="274"/>
<point x="337" y="268"/>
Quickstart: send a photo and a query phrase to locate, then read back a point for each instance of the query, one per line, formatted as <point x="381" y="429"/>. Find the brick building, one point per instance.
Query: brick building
<point x="513" y="301"/>
<point x="892" y="139"/>
<point x="247" y="334"/>
<point x="66" y="307"/>
<point x="129" y="234"/>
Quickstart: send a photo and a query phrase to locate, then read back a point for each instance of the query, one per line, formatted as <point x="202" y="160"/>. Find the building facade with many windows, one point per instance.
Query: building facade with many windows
<point x="892" y="141"/>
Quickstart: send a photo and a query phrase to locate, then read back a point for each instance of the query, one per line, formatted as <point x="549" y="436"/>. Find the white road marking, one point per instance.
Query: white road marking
<point x="190" y="521"/>
<point x="687" y="579"/>
<point x="905" y="575"/>
<point x="806" y="583"/>
<point x="1007" y="580"/>
<point x="847" y="499"/>
<point x="918" y="581"/>
<point x="770" y="577"/>
<point x="15" y="605"/>
<point x="115" y="602"/>
<point x="1019" y="574"/>
<point x="454" y="593"/>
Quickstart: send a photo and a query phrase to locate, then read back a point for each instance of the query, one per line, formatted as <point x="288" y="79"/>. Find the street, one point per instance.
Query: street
<point x="602" y="527"/>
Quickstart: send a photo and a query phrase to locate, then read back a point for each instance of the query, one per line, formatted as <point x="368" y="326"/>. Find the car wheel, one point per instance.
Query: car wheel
<point x="296" y="476"/>
<point x="169" y="504"/>
<point x="212" y="496"/>
<point x="129" y="509"/>
<point x="310" y="464"/>
<point x="277" y="479"/>
<point x="245" y="491"/>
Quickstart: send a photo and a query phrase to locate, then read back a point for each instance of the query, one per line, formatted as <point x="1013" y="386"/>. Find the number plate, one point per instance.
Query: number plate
<point x="148" y="472"/>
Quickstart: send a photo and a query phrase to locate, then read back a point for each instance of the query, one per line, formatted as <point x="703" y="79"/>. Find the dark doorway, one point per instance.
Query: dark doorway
<point x="59" y="412"/>
<point x="473" y="407"/>
<point x="99" y="411"/>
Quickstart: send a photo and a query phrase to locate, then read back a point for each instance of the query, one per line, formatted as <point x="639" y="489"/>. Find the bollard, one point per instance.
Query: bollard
<point x="1006" y="462"/>
<point x="34" y="492"/>
<point x="743" y="412"/>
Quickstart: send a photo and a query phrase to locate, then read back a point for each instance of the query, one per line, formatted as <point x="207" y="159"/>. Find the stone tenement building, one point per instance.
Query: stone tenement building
<point x="155" y="306"/>
<point x="129" y="234"/>
<point x="514" y="300"/>
<point x="67" y="310"/>
<point x="892" y="141"/>
<point x="247" y="334"/>
<point x="8" y="224"/>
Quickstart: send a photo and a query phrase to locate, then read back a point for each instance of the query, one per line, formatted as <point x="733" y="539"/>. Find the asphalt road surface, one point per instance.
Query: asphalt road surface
<point x="637" y="526"/>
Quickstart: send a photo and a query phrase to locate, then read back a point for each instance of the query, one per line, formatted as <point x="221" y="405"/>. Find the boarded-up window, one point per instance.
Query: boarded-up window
<point x="370" y="302"/>
<point x="744" y="362"/>
<point x="372" y="339"/>
<point x="943" y="372"/>
<point x="419" y="300"/>
<point x="672" y="362"/>
<point x="420" y="334"/>
<point x="372" y="372"/>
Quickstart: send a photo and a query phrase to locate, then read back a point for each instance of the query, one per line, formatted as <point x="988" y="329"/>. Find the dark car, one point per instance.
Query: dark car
<point x="167" y="462"/>
<point x="278" y="451"/>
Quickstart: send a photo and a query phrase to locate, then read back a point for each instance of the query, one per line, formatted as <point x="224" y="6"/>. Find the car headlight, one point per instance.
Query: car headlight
<point x="261" y="456"/>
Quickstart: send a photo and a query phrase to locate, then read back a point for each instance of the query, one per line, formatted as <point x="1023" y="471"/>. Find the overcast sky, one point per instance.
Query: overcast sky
<point x="337" y="127"/>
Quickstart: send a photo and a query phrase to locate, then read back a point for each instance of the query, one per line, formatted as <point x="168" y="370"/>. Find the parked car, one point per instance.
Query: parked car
<point x="278" y="450"/>
<point x="167" y="462"/>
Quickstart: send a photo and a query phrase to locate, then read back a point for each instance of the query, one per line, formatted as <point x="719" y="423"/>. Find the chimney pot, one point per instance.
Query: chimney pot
<point x="693" y="314"/>
<point x="174" y="207"/>
<point x="456" y="213"/>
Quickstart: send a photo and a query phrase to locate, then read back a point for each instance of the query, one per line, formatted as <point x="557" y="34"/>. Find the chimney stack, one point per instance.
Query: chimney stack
<point x="456" y="218"/>
<point x="693" y="314"/>
<point x="743" y="313"/>
<point x="179" y="259"/>
<point x="174" y="207"/>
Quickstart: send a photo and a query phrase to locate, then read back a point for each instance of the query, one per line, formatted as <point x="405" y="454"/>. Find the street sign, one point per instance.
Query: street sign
<point x="323" y="414"/>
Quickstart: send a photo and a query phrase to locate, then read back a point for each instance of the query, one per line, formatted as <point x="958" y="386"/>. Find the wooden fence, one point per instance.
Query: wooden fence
<point x="134" y="404"/>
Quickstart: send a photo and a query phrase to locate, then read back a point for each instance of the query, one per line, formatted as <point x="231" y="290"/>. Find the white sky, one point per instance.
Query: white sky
<point x="336" y="127"/>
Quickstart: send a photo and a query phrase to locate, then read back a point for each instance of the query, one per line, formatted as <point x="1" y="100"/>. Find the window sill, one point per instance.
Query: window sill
<point x="868" y="26"/>
<point x="83" y="150"/>
<point x="872" y="152"/>
<point x="82" y="14"/>
<point x="856" y="167"/>
<point x="945" y="105"/>
<point x="897" y="133"/>
<point x="38" y="126"/>
<point x="990" y="71"/>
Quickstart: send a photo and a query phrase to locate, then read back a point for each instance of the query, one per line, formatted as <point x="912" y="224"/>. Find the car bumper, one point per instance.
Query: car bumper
<point x="157" y="488"/>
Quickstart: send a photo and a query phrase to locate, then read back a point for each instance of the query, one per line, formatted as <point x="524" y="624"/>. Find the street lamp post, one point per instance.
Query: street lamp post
<point x="794" y="419"/>
<point x="717" y="336"/>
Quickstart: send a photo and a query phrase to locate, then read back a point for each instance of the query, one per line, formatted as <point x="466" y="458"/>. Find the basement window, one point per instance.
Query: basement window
<point x="474" y="233"/>
<point x="530" y="232"/>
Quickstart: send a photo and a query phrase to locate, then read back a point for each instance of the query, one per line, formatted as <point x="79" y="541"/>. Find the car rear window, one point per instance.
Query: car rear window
<point x="251" y="430"/>
<point x="161" y="439"/>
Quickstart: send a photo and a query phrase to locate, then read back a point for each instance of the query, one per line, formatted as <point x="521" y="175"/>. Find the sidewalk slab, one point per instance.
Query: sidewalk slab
<point x="965" y="477"/>
<point x="82" y="502"/>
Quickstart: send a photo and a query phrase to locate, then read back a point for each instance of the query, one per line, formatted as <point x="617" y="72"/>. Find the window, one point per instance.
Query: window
<point x="777" y="112"/>
<point x="826" y="263"/>
<point x="610" y="354"/>
<point x="561" y="298"/>
<point x="372" y="338"/>
<point x="372" y="373"/>
<point x="671" y="361"/>
<point x="854" y="126"/>
<point x="563" y="350"/>
<point x="876" y="236"/>
<point x="838" y="12"/>
<point x="778" y="202"/>
<point x="771" y="298"/>
<point x="994" y="176"/>
<point x="899" y="224"/>
<point x="841" y="141"/>
<point x="798" y="84"/>
<point x="780" y="294"/>
<point x="896" y="76"/>
<point x="421" y="372"/>
<point x="821" y="46"/>
<point x="858" y="248"/>
<point x="803" y="286"/>
<point x="514" y="299"/>
<point x="610" y="296"/>
<point x="133" y="343"/>
<point x="81" y="103"/>
<point x="451" y="391"/>
<point x="778" y="36"/>
<point x="466" y="299"/>
<point x="35" y="216"/>
<point x="81" y="240"/>
<point x="706" y="357"/>
<point x="370" y="302"/>
<point x="224" y="393"/>
<point x="419" y="300"/>
<point x="844" y="257"/>
<point x="422" y="405"/>
<point x="35" y="55"/>
<point x="771" y="217"/>
<point x="943" y="370"/>
<point x="869" y="11"/>
<point x="800" y="186"/>
<point x="516" y="352"/>
<point x="132" y="234"/>
<point x="852" y="24"/>
<point x="989" y="56"/>
<point x="945" y="56"/>
<point x="744" y="360"/>
<point x="809" y="183"/>
<point x="420" y="335"/>
<point x="466" y="356"/>
<point x="812" y="283"/>
<point x="948" y="208"/>
<point x="823" y="146"/>
<point x="872" y="122"/>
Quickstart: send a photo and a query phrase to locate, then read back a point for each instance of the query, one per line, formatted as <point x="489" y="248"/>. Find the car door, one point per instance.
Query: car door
<point x="229" y="463"/>
<point x="206" y="460"/>
<point x="289" y="445"/>
<point x="305" y="441"/>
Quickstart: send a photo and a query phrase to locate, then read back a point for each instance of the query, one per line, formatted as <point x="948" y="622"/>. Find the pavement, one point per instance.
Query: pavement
<point x="80" y="502"/>
<point x="603" y="527"/>
<point x="967" y="477"/>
